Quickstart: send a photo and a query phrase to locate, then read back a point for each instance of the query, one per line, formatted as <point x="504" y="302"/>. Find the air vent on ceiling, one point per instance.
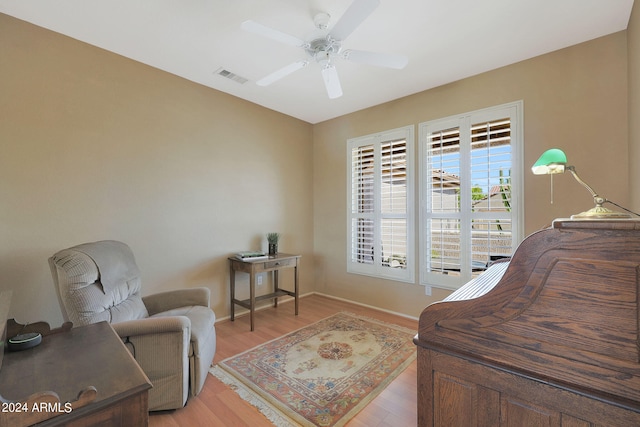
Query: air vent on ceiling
<point x="231" y="76"/>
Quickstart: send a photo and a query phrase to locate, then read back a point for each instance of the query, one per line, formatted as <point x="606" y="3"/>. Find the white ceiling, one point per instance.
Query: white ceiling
<point x="445" y="40"/>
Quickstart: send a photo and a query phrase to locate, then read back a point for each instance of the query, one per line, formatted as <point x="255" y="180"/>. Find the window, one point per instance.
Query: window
<point x="471" y="204"/>
<point x="380" y="199"/>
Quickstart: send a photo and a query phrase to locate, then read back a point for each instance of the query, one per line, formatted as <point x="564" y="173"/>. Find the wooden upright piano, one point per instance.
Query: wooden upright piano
<point x="554" y="342"/>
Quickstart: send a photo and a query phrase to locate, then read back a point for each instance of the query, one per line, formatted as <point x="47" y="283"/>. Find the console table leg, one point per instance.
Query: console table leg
<point x="252" y="297"/>
<point x="295" y="287"/>
<point x="275" y="287"/>
<point x="232" y="279"/>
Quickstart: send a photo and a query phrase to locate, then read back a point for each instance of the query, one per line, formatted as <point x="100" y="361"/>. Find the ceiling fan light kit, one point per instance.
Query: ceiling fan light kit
<point x="324" y="50"/>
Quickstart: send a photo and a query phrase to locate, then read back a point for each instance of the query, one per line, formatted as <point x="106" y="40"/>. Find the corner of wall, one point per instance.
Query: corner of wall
<point x="633" y="58"/>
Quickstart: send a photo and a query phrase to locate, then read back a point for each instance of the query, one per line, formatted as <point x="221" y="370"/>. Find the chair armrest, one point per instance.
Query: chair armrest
<point x="165" y="301"/>
<point x="150" y="326"/>
<point x="160" y="345"/>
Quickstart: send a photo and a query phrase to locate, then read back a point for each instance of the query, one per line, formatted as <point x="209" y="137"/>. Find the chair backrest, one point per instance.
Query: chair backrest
<point x="98" y="281"/>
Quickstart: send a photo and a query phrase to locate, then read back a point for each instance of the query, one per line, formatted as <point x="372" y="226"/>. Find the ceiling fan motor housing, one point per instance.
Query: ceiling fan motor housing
<point x="323" y="48"/>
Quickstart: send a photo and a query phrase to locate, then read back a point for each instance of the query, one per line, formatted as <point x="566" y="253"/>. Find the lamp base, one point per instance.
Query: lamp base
<point x="600" y="212"/>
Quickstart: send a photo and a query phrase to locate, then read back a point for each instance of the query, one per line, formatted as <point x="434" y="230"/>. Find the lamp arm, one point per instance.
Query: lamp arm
<point x="597" y="199"/>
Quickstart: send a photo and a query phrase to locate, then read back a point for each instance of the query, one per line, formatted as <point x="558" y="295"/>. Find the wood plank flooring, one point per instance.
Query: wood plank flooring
<point x="219" y="406"/>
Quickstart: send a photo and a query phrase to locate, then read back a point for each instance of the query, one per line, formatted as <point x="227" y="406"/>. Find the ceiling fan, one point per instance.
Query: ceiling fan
<point x="324" y="50"/>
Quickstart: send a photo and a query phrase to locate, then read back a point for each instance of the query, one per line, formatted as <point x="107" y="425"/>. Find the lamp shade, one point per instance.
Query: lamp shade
<point x="550" y="162"/>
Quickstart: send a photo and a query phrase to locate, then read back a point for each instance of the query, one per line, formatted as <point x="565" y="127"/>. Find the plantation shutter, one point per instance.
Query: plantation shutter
<point x="362" y="204"/>
<point x="380" y="205"/>
<point x="444" y="243"/>
<point x="491" y="167"/>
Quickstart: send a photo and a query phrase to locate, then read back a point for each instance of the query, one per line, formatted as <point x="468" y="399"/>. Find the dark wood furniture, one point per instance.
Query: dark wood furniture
<point x="554" y="343"/>
<point x="5" y="302"/>
<point x="43" y="328"/>
<point x="84" y="376"/>
<point x="273" y="263"/>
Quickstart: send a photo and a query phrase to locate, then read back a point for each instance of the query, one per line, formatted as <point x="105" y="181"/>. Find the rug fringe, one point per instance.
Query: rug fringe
<point x="277" y="418"/>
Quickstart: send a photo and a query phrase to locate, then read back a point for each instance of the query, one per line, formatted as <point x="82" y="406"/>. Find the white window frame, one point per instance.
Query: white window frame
<point x="464" y="122"/>
<point x="377" y="268"/>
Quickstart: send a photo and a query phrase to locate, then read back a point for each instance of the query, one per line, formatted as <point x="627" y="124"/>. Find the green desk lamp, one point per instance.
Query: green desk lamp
<point x="554" y="161"/>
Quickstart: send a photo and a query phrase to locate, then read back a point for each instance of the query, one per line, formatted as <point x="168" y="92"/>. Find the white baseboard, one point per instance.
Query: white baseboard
<point x="244" y="311"/>
<point x="367" y="306"/>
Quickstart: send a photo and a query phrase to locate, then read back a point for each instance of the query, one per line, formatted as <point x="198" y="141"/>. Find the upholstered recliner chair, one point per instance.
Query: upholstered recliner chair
<point x="170" y="334"/>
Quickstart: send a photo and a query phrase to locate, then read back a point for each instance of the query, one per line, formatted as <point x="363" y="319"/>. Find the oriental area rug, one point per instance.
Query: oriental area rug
<point x="323" y="374"/>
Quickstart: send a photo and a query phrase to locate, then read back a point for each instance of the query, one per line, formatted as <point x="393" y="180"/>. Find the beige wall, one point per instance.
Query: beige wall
<point x="633" y="41"/>
<point x="574" y="99"/>
<point x="95" y="146"/>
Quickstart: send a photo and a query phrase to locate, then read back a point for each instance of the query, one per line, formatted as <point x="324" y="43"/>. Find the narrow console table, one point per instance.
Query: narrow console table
<point x="253" y="267"/>
<point x="81" y="377"/>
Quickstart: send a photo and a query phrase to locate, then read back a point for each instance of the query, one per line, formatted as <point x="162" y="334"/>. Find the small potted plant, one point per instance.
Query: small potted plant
<point x="273" y="238"/>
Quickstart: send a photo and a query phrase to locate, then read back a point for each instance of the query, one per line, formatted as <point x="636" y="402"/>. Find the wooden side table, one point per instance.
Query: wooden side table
<point x="90" y="359"/>
<point x="273" y="263"/>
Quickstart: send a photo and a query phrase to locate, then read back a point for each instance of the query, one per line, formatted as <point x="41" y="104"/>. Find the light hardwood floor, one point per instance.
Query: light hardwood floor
<point x="217" y="405"/>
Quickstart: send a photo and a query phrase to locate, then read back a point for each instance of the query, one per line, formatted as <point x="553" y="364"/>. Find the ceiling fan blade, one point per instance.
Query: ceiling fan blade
<point x="261" y="30"/>
<point x="331" y="81"/>
<point x="352" y="18"/>
<point x="282" y="72"/>
<point x="386" y="60"/>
